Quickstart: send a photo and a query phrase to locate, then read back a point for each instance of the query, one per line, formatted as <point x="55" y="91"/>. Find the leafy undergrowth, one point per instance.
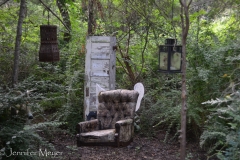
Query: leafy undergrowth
<point x="142" y="148"/>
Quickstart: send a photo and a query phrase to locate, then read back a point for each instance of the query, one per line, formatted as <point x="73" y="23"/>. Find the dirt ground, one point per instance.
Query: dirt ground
<point x="142" y="148"/>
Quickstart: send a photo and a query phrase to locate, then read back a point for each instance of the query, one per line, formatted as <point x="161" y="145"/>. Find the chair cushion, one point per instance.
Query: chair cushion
<point x="98" y="136"/>
<point x="116" y="105"/>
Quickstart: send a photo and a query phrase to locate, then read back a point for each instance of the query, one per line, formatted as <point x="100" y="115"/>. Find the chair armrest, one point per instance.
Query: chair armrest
<point x="87" y="126"/>
<point x="124" y="130"/>
<point x="123" y="123"/>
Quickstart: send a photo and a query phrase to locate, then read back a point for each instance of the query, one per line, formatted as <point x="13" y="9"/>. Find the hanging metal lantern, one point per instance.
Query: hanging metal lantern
<point x="170" y="57"/>
<point x="49" y="51"/>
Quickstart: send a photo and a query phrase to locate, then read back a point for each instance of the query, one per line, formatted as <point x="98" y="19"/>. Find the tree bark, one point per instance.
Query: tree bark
<point x="66" y="19"/>
<point x="90" y="17"/>
<point x="185" y="28"/>
<point x="18" y="42"/>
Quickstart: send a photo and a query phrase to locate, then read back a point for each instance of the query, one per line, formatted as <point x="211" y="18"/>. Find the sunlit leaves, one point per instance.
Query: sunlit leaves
<point x="197" y="14"/>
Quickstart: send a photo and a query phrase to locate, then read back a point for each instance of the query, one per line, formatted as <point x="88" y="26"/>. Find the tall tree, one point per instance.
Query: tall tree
<point x="18" y="41"/>
<point x="95" y="12"/>
<point x="185" y="27"/>
<point x="66" y="19"/>
<point x="90" y="17"/>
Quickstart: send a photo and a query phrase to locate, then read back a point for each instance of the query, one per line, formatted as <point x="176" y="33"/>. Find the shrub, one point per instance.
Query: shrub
<point x="222" y="132"/>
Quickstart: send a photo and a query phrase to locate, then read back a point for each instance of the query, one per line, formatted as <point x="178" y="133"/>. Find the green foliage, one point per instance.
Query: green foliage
<point x="14" y="134"/>
<point x="223" y="127"/>
<point x="53" y="101"/>
<point x="58" y="96"/>
<point x="15" y="137"/>
<point x="233" y="149"/>
<point x="57" y="88"/>
<point x="161" y="108"/>
<point x="72" y="65"/>
<point x="72" y="110"/>
<point x="210" y="69"/>
<point x="48" y="92"/>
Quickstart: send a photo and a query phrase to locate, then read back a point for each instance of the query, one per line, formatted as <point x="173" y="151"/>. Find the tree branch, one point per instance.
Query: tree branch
<point x="162" y="10"/>
<point x="181" y="2"/>
<point x="55" y="15"/>
<point x="128" y="39"/>
<point x="66" y="20"/>
<point x="144" y="48"/>
<point x="123" y="57"/>
<point x="122" y="65"/>
<point x="126" y="60"/>
<point x="189" y="4"/>
<point x="3" y="3"/>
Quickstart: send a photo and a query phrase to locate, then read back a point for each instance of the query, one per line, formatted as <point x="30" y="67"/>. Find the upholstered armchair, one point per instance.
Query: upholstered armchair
<point x="114" y="125"/>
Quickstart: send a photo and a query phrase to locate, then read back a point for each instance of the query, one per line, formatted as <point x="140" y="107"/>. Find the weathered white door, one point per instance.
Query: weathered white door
<point x="100" y="68"/>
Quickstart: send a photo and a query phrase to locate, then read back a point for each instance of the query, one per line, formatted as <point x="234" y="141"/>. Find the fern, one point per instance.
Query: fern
<point x="210" y="136"/>
<point x="19" y="140"/>
<point x="14" y="133"/>
<point x="222" y="133"/>
<point x="41" y="125"/>
<point x="216" y="101"/>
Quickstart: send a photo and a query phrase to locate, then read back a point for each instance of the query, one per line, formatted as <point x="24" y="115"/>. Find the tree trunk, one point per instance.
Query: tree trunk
<point x="184" y="106"/>
<point x="66" y="19"/>
<point x="18" y="42"/>
<point x="90" y="17"/>
<point x="129" y="69"/>
<point x="185" y="28"/>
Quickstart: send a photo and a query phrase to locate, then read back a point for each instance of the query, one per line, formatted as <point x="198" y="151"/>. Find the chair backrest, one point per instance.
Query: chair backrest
<point x="115" y="105"/>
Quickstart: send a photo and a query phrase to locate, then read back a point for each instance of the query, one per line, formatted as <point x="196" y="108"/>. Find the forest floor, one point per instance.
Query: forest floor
<point x="142" y="148"/>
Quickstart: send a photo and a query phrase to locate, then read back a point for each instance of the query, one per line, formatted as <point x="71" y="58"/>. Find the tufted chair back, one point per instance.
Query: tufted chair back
<point x="115" y="105"/>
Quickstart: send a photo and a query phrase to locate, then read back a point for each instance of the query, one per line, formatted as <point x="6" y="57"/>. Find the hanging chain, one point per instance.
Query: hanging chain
<point x="175" y="39"/>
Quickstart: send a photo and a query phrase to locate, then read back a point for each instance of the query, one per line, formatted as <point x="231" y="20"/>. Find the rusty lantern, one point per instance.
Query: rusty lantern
<point x="170" y="57"/>
<point x="49" y="51"/>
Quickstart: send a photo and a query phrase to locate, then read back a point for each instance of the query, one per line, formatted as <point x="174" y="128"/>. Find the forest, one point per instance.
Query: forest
<point x="207" y="90"/>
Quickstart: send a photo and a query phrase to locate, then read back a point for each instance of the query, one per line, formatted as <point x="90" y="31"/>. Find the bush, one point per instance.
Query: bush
<point x="15" y="135"/>
<point x="222" y="132"/>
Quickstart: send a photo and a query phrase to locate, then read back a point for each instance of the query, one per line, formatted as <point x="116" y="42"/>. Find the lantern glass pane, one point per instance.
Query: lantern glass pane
<point x="175" y="61"/>
<point x="163" y="61"/>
